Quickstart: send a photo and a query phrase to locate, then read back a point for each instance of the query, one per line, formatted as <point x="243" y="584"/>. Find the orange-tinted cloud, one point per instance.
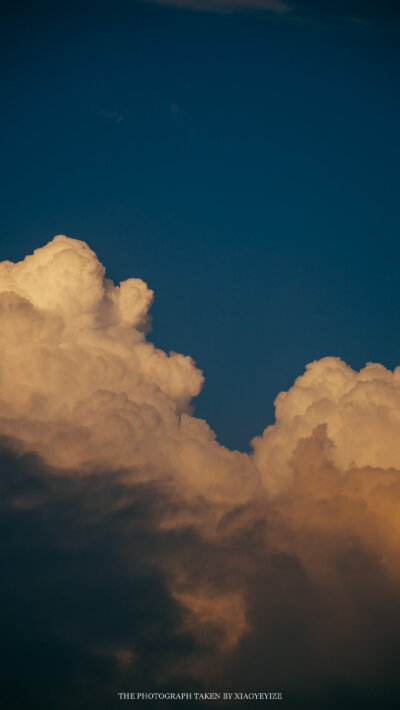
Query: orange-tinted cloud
<point x="290" y="553"/>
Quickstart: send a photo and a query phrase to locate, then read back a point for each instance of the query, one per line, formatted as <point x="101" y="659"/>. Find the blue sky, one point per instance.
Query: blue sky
<point x="245" y="164"/>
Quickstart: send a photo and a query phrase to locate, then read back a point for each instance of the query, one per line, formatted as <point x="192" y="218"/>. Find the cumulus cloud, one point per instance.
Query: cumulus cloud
<point x="81" y="383"/>
<point x="208" y="566"/>
<point x="361" y="411"/>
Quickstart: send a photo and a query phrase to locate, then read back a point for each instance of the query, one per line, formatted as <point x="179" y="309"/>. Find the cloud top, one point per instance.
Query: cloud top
<point x="84" y="387"/>
<point x="360" y="409"/>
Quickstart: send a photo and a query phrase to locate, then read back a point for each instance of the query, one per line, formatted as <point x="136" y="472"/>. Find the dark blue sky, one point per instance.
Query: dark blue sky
<point x="246" y="165"/>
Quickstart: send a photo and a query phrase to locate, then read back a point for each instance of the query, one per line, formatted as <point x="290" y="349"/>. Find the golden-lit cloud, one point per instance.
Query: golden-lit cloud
<point x="82" y="386"/>
<point x="361" y="411"/>
<point x="306" y="529"/>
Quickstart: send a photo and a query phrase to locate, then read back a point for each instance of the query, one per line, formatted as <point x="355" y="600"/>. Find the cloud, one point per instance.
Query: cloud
<point x="138" y="552"/>
<point x="227" y="6"/>
<point x="361" y="411"/>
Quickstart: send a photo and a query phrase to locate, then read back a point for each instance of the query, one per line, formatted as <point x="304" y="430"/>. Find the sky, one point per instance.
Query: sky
<point x="244" y="164"/>
<point x="199" y="383"/>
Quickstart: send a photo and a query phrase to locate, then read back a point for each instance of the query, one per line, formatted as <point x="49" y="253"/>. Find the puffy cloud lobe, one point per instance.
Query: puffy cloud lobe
<point x="83" y="387"/>
<point x="80" y="382"/>
<point x="361" y="411"/>
<point x="293" y="548"/>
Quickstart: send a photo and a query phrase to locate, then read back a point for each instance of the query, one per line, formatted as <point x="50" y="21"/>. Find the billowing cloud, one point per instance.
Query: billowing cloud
<point x="140" y="550"/>
<point x="83" y="387"/>
<point x="361" y="411"/>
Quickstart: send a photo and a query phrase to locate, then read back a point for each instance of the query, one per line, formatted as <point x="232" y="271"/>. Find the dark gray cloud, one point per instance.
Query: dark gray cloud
<point x="80" y="590"/>
<point x="87" y="607"/>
